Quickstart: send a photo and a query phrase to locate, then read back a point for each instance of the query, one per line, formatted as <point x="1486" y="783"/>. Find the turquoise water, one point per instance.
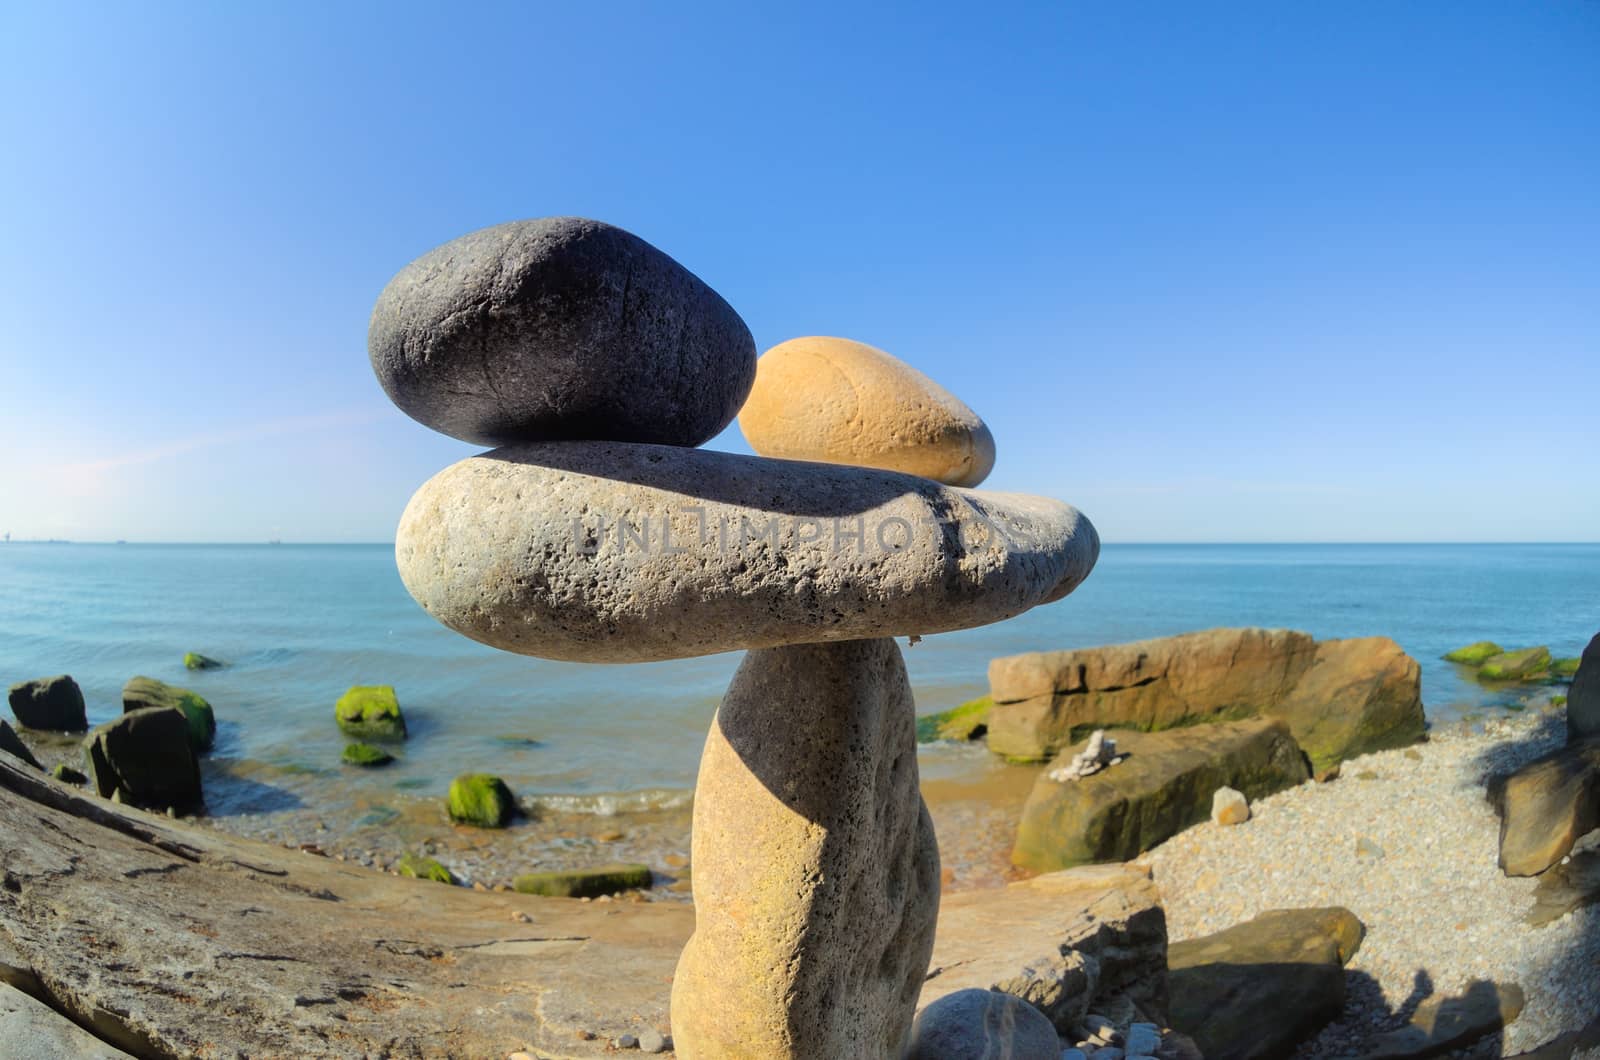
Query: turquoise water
<point x="299" y="624"/>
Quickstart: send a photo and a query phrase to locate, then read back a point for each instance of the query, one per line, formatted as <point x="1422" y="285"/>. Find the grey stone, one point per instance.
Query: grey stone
<point x="1142" y="1040"/>
<point x="982" y="1025"/>
<point x="30" y="1028"/>
<point x="816" y="872"/>
<point x="1583" y="698"/>
<point x="613" y="552"/>
<point x="627" y="1041"/>
<point x="50" y="703"/>
<point x="652" y="1041"/>
<point x="1571" y="884"/>
<point x="560" y="327"/>
<point x="145" y="758"/>
<point x="12" y="743"/>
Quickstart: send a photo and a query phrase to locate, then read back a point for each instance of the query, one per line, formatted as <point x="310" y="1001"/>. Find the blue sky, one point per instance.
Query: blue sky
<point x="1229" y="271"/>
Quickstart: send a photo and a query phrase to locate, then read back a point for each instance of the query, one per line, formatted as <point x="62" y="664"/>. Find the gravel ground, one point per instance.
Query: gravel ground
<point x="1438" y="911"/>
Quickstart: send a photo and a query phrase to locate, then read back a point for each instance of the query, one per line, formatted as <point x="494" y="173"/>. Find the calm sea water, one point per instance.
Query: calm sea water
<point x="299" y="624"/>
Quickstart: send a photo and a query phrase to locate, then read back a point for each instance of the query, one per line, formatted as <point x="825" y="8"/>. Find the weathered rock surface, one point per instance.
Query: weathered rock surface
<point x="816" y="874"/>
<point x="1442" y="1024"/>
<point x="32" y="1030"/>
<point x="969" y="721"/>
<point x="145" y="758"/>
<point x="610" y="552"/>
<point x="844" y="402"/>
<point x="1583" y="698"/>
<point x="1567" y="886"/>
<point x="176" y="941"/>
<point x="11" y="743"/>
<point x="146" y="693"/>
<point x="54" y="704"/>
<point x="1517" y="665"/>
<point x="1341" y="698"/>
<point x="1474" y="654"/>
<point x="1164" y="784"/>
<point x="584" y="883"/>
<point x="558" y="328"/>
<point x="1546" y="806"/>
<point x="1090" y="939"/>
<point x="1256" y="990"/>
<point x="982" y="1025"/>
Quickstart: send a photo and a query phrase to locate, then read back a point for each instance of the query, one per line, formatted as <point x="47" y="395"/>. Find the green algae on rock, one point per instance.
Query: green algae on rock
<point x="146" y="693"/>
<point x="1474" y="654"/>
<point x="67" y="775"/>
<point x="1521" y="665"/>
<point x="422" y="868"/>
<point x="584" y="883"/>
<point x="1565" y="667"/>
<point x="969" y="721"/>
<point x="366" y="755"/>
<point x="193" y="660"/>
<point x="481" y="800"/>
<point x="371" y="712"/>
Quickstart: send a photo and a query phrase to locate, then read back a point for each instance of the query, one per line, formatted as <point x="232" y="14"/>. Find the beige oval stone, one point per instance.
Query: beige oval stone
<point x="627" y="552"/>
<point x="845" y="402"/>
<point x="816" y="872"/>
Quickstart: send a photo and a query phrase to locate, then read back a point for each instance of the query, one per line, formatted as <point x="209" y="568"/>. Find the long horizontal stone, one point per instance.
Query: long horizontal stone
<point x="621" y="552"/>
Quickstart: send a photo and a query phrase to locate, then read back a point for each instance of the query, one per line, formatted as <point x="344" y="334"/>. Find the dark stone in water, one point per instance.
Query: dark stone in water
<point x="50" y="703"/>
<point x="145" y="758"/>
<point x="560" y="328"/>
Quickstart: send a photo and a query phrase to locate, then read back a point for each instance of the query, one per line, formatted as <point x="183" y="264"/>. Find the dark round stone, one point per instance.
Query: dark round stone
<point x="560" y="328"/>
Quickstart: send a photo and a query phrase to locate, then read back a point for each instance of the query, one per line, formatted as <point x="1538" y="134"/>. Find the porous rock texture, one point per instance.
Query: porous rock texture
<point x="559" y="327"/>
<point x="845" y="402"/>
<point x="1340" y="697"/>
<point x="614" y="552"/>
<point x="816" y="872"/>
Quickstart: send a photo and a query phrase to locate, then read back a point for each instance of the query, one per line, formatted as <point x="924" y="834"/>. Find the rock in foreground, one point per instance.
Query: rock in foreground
<point x="609" y="552"/>
<point x="1165" y="784"/>
<point x="53" y="704"/>
<point x="1583" y="698"/>
<point x="11" y="743"/>
<point x="816" y="873"/>
<point x="145" y="758"/>
<point x="558" y="328"/>
<point x="1070" y="943"/>
<point x="982" y="1025"/>
<point x="1341" y="698"/>
<point x="845" y="402"/>
<point x="146" y="693"/>
<point x="1547" y="806"/>
<point x="1255" y="991"/>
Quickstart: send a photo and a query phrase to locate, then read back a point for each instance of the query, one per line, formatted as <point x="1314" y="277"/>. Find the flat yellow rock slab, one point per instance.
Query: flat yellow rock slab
<point x="844" y="402"/>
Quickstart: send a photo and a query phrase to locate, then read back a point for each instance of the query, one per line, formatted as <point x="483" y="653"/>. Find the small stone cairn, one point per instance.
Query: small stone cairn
<point x="598" y="532"/>
<point x="1097" y="754"/>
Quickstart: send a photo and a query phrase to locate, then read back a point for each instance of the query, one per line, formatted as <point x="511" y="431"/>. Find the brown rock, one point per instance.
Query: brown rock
<point x="844" y="402"/>
<point x="1067" y="942"/>
<point x="1546" y="806"/>
<point x="1164" y="784"/>
<point x="1256" y="990"/>
<point x="816" y="879"/>
<point x="1341" y="698"/>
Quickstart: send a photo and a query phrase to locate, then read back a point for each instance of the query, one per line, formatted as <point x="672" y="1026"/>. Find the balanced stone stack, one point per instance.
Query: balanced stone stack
<point x="597" y="532"/>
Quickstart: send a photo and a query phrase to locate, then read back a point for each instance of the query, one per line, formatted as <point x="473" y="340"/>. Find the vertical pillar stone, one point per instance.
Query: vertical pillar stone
<point x="816" y="872"/>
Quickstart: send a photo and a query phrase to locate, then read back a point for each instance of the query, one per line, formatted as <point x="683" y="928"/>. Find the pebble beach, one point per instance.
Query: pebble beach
<point x="1439" y="912"/>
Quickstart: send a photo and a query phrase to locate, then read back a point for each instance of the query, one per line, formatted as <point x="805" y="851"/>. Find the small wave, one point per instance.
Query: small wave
<point x="610" y="804"/>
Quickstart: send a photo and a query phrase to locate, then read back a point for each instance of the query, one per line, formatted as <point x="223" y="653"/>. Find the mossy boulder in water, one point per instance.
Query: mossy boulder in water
<point x="584" y="883"/>
<point x="1565" y="667"/>
<point x="145" y="758"/>
<point x="364" y="754"/>
<point x="420" y="868"/>
<point x="195" y="661"/>
<point x="481" y="800"/>
<point x="371" y="712"/>
<point x="1520" y="665"/>
<point x="53" y="704"/>
<point x="1474" y="654"/>
<point x="146" y="693"/>
<point x="969" y="721"/>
